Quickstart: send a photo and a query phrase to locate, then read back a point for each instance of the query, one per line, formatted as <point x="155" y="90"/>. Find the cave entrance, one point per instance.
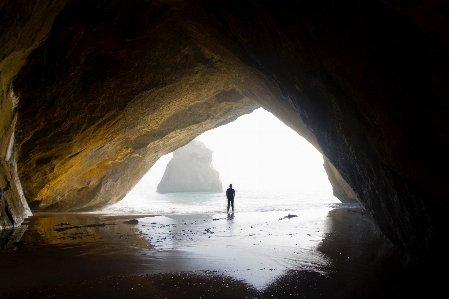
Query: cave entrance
<point x="283" y="198"/>
<point x="270" y="166"/>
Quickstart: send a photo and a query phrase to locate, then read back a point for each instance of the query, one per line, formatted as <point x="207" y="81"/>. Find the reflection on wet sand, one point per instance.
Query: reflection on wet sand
<point x="81" y="228"/>
<point x="10" y="238"/>
<point x="361" y="263"/>
<point x="258" y="255"/>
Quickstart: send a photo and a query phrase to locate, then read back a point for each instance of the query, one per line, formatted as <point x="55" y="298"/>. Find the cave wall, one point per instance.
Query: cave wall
<point x="24" y="26"/>
<point x="370" y="85"/>
<point x="105" y="88"/>
<point x="340" y="188"/>
<point x="115" y="89"/>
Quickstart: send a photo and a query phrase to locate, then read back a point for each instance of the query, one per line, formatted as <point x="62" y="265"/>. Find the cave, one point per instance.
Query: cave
<point x="94" y="92"/>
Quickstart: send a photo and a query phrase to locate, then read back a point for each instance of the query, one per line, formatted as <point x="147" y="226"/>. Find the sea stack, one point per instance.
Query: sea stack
<point x="191" y="170"/>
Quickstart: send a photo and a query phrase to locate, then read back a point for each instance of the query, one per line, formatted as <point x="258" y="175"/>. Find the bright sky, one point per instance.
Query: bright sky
<point x="256" y="152"/>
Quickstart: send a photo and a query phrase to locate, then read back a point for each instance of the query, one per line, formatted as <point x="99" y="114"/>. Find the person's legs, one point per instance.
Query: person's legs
<point x="232" y="204"/>
<point x="229" y="202"/>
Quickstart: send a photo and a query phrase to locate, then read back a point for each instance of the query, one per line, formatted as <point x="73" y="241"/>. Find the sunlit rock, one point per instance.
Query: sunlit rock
<point x="340" y="187"/>
<point x="191" y="170"/>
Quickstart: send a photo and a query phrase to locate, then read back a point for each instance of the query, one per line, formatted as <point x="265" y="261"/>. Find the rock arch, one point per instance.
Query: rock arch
<point x="105" y="89"/>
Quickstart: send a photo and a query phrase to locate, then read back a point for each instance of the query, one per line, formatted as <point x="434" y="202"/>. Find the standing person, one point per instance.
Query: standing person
<point x="8" y="186"/>
<point x="230" y="194"/>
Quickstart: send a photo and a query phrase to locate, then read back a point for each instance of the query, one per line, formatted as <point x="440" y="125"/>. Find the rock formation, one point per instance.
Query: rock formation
<point x="93" y="92"/>
<point x="191" y="170"/>
<point x="340" y="187"/>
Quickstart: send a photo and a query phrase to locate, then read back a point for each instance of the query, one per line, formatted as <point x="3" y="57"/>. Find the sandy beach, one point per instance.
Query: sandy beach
<point x="339" y="254"/>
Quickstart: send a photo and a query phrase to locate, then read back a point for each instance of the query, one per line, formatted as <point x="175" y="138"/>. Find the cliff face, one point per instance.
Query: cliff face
<point x="93" y="92"/>
<point x="340" y="187"/>
<point x="191" y="170"/>
<point x="23" y="27"/>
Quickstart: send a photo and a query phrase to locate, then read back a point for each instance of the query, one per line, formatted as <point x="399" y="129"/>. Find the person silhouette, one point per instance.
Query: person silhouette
<point x="230" y="194"/>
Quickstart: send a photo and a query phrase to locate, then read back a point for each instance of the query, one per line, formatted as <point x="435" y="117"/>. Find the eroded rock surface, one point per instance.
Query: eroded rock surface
<point x="148" y="86"/>
<point x="104" y="89"/>
<point x="340" y="187"/>
<point x="191" y="170"/>
<point x="24" y="26"/>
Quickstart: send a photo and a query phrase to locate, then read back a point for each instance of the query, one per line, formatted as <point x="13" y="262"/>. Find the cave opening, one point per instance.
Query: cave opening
<point x="282" y="205"/>
<point x="271" y="167"/>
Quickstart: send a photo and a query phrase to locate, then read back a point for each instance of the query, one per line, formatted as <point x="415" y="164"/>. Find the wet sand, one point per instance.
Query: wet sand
<point x="339" y="254"/>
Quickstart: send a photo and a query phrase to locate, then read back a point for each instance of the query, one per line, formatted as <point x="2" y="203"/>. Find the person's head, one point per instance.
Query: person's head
<point x="230" y="185"/>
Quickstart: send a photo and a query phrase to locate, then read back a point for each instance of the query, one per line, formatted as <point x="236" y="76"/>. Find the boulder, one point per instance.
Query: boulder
<point x="191" y="170"/>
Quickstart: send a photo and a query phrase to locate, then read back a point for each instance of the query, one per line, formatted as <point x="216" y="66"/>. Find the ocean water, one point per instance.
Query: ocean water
<point x="212" y="203"/>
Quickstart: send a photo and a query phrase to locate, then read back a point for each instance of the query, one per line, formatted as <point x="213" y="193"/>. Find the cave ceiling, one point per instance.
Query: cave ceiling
<point x="104" y="88"/>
